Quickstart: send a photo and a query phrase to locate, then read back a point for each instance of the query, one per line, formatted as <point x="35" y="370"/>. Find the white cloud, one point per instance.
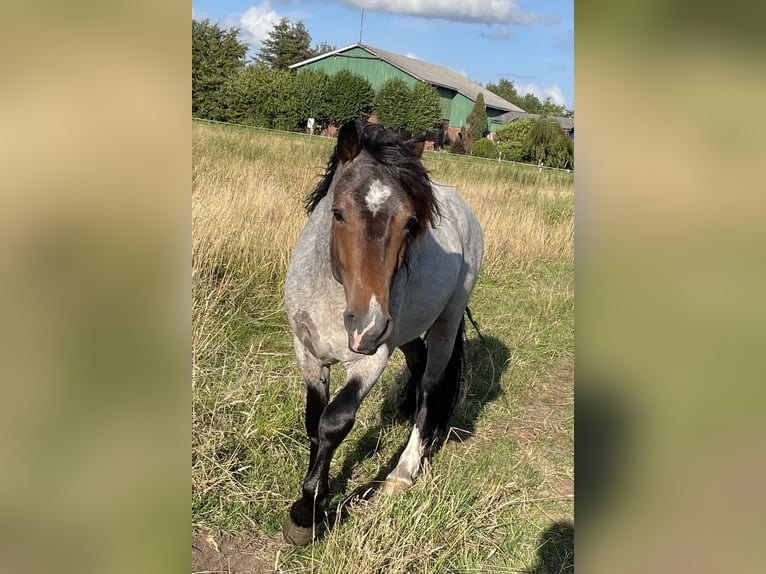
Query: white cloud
<point x="500" y="11"/>
<point x="411" y="55"/>
<point x="256" y="23"/>
<point x="498" y="34"/>
<point x="554" y="92"/>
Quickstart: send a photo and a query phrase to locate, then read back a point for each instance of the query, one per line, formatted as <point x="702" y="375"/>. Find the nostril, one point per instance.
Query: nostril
<point x="349" y="320"/>
<point x="387" y="330"/>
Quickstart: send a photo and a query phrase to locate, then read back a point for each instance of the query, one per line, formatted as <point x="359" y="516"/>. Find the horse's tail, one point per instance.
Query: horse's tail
<point x="475" y="326"/>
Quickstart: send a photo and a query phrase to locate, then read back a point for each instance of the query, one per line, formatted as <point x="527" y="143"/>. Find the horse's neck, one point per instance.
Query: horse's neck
<point x="318" y="228"/>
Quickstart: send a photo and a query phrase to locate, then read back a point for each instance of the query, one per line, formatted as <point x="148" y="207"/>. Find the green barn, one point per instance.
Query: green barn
<point x="457" y="93"/>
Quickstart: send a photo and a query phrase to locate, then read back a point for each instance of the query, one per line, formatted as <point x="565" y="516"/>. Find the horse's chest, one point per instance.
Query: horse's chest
<point x="321" y="332"/>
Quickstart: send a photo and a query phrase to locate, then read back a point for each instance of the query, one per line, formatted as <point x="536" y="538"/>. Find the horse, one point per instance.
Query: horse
<point x="385" y="256"/>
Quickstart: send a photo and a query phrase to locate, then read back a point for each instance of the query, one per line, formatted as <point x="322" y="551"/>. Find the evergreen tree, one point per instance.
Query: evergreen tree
<point x="477" y="121"/>
<point x="322" y="48"/>
<point x="263" y="97"/>
<point x="425" y="110"/>
<point x="549" y="143"/>
<point x="285" y="45"/>
<point x="312" y="96"/>
<point x="506" y="90"/>
<point x="392" y="104"/>
<point x="552" y="109"/>
<point x="217" y="57"/>
<point x="512" y="140"/>
<point x="530" y="103"/>
<point x="351" y="97"/>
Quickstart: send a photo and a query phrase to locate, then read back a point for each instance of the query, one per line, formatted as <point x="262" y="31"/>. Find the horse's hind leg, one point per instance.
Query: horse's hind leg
<point x="436" y="397"/>
<point x="415" y="355"/>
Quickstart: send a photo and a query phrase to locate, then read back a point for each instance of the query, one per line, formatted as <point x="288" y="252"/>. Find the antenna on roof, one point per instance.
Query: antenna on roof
<point x="361" y="23"/>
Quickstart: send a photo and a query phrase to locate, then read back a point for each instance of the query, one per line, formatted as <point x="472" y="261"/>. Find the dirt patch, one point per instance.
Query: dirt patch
<point x="225" y="553"/>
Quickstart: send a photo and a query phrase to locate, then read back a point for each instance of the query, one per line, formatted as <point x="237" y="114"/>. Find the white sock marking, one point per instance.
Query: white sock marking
<point x="409" y="462"/>
<point x="377" y="196"/>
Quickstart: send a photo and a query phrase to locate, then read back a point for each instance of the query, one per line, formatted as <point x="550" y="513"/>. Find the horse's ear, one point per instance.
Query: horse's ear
<point x="418" y="147"/>
<point x="417" y="144"/>
<point x="348" y="142"/>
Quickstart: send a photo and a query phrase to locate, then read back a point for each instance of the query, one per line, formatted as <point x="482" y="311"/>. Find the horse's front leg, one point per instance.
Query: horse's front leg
<point x="336" y="421"/>
<point x="316" y="376"/>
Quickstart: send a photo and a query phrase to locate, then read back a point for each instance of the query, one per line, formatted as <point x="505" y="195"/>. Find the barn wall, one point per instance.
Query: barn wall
<point x="461" y="108"/>
<point x="455" y="106"/>
<point x="493" y="113"/>
<point x="446" y="95"/>
<point x="362" y="63"/>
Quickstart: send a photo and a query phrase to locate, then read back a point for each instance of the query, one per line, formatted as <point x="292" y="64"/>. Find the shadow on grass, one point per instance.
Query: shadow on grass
<point x="484" y="363"/>
<point x="555" y="550"/>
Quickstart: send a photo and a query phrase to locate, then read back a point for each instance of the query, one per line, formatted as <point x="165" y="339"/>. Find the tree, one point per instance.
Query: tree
<point x="549" y="143"/>
<point x="260" y="96"/>
<point x="425" y="110"/>
<point x="459" y="144"/>
<point x="552" y="109"/>
<point x="322" y="48"/>
<point x="484" y="148"/>
<point x="392" y="103"/>
<point x="312" y="96"/>
<point x="351" y="97"/>
<point x="477" y="121"/>
<point x="285" y="45"/>
<point x="512" y="140"/>
<point x="530" y="103"/>
<point x="217" y="57"/>
<point x="506" y="90"/>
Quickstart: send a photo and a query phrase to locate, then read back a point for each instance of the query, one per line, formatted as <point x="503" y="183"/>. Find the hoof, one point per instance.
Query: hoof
<point x="395" y="486"/>
<point x="299" y="535"/>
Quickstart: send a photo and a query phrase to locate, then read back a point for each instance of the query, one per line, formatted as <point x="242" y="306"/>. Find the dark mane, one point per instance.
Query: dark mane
<point x="398" y="160"/>
<point x="324" y="184"/>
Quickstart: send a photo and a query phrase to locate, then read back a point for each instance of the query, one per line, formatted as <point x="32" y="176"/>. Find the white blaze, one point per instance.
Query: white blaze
<point x="374" y="309"/>
<point x="377" y="196"/>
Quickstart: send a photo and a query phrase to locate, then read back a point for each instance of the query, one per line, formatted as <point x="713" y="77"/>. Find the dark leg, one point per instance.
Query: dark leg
<point x="437" y="394"/>
<point x="335" y="422"/>
<point x="437" y="400"/>
<point x="415" y="355"/>
<point x="327" y="426"/>
<point x="334" y="425"/>
<point x="317" y="396"/>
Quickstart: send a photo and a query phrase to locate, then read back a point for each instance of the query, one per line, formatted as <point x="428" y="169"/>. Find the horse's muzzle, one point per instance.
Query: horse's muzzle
<point x="367" y="332"/>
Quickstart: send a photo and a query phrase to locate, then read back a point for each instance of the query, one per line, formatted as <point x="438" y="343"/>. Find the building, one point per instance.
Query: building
<point x="565" y="122"/>
<point x="456" y="92"/>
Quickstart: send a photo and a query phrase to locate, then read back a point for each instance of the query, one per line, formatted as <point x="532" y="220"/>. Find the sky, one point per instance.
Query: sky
<point x="528" y="42"/>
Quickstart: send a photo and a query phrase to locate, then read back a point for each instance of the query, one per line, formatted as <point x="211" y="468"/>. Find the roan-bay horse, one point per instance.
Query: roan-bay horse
<point x="386" y="256"/>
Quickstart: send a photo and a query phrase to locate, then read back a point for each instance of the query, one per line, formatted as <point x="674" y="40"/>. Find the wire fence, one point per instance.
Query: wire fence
<point x="440" y="154"/>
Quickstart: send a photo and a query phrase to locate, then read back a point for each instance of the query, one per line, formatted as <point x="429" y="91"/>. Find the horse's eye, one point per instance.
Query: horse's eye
<point x="338" y="214"/>
<point x="412" y="222"/>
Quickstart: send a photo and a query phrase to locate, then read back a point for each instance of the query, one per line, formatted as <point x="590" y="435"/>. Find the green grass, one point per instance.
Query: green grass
<point x="494" y="496"/>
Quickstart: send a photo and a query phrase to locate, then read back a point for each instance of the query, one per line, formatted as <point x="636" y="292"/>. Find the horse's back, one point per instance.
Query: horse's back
<point x="462" y="217"/>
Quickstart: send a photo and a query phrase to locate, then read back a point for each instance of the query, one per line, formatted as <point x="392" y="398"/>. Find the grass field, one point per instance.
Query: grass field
<point x="499" y="496"/>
